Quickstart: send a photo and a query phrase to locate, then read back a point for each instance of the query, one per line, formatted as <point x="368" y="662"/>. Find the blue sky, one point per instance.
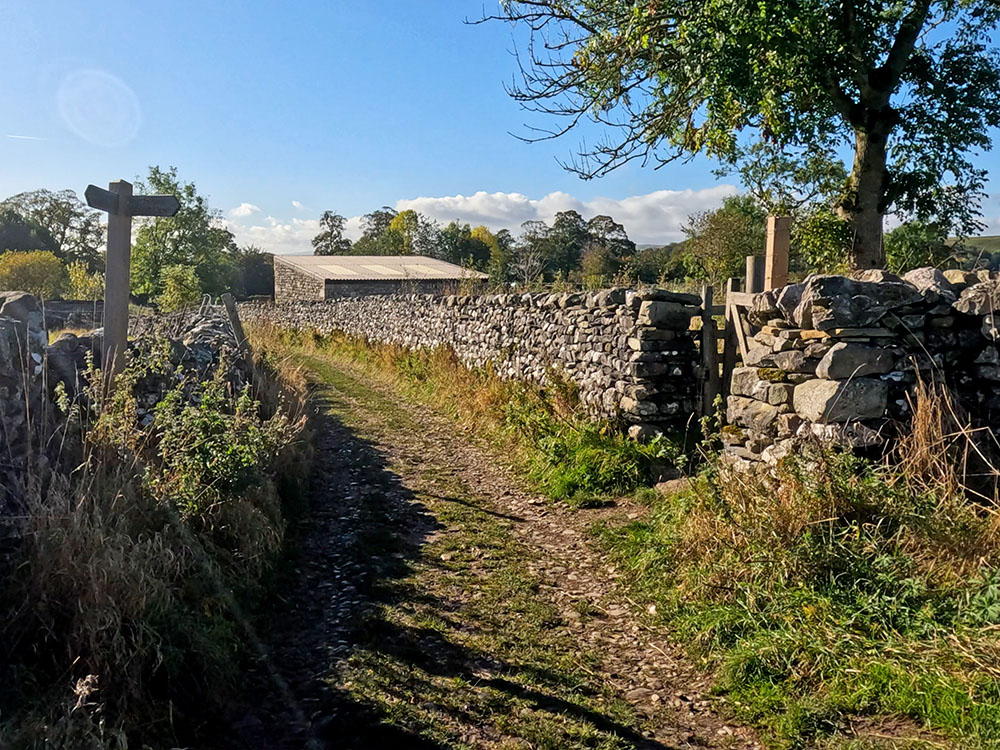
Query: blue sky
<point x="278" y="111"/>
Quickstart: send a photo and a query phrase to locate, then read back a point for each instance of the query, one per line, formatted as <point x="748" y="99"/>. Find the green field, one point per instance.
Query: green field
<point x="987" y="244"/>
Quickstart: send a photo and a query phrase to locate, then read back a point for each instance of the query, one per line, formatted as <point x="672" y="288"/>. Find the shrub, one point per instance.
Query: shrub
<point x="917" y="244"/>
<point x="82" y="284"/>
<point x="181" y="288"/>
<point x="39" y="272"/>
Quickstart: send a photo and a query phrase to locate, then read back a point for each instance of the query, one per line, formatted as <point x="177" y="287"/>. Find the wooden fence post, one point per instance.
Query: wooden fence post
<point x="731" y="341"/>
<point x="776" y="253"/>
<point x="755" y="274"/>
<point x="709" y="353"/>
<point x="242" y="345"/>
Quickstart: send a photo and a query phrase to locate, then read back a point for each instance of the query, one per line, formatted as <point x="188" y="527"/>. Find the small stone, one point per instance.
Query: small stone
<point x="751" y="413"/>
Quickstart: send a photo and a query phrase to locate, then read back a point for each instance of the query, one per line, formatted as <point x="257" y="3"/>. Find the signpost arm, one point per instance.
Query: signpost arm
<point x="116" y="280"/>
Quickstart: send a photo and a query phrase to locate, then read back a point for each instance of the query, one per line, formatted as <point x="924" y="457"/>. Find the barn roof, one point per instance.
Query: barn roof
<point x="377" y="267"/>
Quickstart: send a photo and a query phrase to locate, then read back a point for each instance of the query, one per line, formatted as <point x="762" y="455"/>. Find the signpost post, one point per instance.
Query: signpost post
<point x="120" y="205"/>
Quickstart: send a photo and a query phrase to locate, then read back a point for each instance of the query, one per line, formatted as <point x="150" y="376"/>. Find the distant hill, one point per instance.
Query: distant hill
<point x="986" y="244"/>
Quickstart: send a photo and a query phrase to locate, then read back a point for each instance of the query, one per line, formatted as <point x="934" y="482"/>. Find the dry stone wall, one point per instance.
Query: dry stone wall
<point x="836" y="358"/>
<point x="631" y="353"/>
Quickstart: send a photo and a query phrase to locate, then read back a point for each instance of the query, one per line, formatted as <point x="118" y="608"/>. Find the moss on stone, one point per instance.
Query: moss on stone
<point x="771" y="374"/>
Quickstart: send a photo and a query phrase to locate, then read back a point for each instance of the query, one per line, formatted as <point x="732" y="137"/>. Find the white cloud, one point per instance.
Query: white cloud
<point x="650" y="218"/>
<point x="653" y="217"/>
<point x="297" y="205"/>
<point x="244" y="209"/>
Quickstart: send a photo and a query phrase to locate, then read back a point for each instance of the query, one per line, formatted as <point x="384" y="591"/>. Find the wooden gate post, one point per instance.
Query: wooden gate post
<point x="731" y="342"/>
<point x="242" y="345"/>
<point x="709" y="353"/>
<point x="755" y="274"/>
<point x="776" y="254"/>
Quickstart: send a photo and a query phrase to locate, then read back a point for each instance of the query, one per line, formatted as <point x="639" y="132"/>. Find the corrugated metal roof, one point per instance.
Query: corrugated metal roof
<point x="377" y="267"/>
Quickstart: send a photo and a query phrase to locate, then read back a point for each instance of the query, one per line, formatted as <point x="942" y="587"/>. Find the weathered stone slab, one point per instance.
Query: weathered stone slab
<point x="854" y="360"/>
<point x="662" y="295"/>
<point x="829" y="302"/>
<point x="931" y="281"/>
<point x="662" y="313"/>
<point x="794" y="361"/>
<point x="841" y="400"/>
<point x="979" y="299"/>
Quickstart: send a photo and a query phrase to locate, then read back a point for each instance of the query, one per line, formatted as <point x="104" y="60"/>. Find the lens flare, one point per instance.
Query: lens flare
<point x="99" y="107"/>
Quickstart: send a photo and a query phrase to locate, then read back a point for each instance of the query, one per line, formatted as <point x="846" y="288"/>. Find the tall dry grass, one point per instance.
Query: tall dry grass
<point x="126" y="605"/>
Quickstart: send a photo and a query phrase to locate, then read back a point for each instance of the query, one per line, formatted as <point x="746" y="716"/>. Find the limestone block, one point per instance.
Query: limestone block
<point x="794" y="361"/>
<point x="666" y="314"/>
<point x="829" y="302"/>
<point x="932" y="283"/>
<point x="854" y="360"/>
<point x="749" y="412"/>
<point x="662" y="295"/>
<point x="960" y="279"/>
<point x="979" y="299"/>
<point x="841" y="400"/>
<point x="744" y="379"/>
<point x="852" y="435"/>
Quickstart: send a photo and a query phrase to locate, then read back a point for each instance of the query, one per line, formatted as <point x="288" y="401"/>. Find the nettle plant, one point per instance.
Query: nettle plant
<point x="214" y="446"/>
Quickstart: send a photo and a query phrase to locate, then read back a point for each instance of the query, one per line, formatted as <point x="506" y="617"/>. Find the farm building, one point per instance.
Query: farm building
<point x="318" y="277"/>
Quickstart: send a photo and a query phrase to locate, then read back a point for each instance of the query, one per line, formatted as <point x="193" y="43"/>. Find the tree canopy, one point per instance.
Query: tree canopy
<point x="22" y="233"/>
<point x="331" y="240"/>
<point x="73" y="230"/>
<point x="908" y="86"/>
<point x="195" y="238"/>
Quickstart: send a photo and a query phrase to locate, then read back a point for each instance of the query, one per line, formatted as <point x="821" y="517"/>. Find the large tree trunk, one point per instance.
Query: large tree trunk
<point x="864" y="203"/>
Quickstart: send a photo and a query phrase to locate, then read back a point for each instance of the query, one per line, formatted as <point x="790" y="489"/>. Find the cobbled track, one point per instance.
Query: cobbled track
<point x="380" y="635"/>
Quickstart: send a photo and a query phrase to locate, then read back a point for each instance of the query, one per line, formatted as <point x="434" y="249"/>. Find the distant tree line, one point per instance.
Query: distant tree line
<point x="51" y="244"/>
<point x="570" y="248"/>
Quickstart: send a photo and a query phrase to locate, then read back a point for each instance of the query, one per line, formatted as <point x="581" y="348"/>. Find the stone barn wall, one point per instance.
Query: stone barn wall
<point x="836" y="358"/>
<point x="631" y="354"/>
<point x="290" y="285"/>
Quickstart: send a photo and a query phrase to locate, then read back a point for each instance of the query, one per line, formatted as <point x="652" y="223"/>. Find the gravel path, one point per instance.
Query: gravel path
<point x="433" y="601"/>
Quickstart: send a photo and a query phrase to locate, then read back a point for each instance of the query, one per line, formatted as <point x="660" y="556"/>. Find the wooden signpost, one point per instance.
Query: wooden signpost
<point x="120" y="205"/>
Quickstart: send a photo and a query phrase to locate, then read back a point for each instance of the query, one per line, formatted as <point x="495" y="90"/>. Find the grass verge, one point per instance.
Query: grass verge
<point x="568" y="455"/>
<point x="830" y="594"/>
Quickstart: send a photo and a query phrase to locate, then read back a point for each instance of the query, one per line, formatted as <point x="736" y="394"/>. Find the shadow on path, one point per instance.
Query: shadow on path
<point x="352" y="553"/>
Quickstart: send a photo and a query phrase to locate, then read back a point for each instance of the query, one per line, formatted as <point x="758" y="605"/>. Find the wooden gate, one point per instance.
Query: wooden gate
<point x="762" y="274"/>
